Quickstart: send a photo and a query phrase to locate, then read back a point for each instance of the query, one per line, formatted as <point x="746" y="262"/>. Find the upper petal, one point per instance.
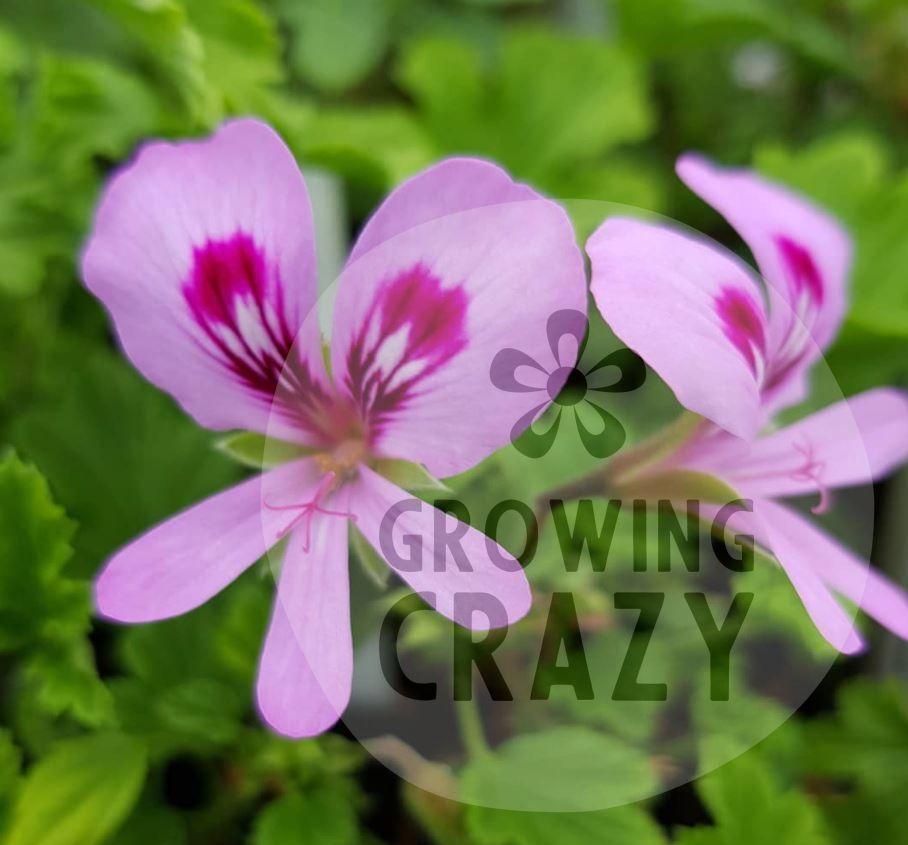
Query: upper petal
<point x="690" y="311"/>
<point x="202" y="252"/>
<point x="183" y="562"/>
<point x="420" y="316"/>
<point x="803" y="253"/>
<point x="855" y="441"/>
<point x="454" y="567"/>
<point x="306" y="668"/>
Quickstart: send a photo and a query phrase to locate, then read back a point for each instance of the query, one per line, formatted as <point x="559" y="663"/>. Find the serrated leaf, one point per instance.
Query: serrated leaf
<point x="257" y="451"/>
<point x="565" y="769"/>
<point x="37" y="601"/>
<point x="119" y="454"/>
<point x="79" y="793"/>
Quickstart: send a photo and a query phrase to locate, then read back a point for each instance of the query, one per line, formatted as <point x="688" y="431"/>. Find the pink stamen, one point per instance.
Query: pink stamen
<point x="309" y="508"/>
<point x="812" y="470"/>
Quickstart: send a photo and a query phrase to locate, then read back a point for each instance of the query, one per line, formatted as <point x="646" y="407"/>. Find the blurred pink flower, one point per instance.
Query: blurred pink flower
<point x="203" y="254"/>
<point x="735" y="353"/>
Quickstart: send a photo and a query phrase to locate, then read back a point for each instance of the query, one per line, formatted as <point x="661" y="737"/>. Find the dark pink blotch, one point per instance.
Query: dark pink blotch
<point x="743" y="324"/>
<point x="232" y="273"/>
<point x="801" y="269"/>
<point x="435" y="320"/>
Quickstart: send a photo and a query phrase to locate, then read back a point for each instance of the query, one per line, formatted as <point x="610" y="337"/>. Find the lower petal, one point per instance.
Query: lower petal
<point x="459" y="571"/>
<point x="800" y="552"/>
<point x="183" y="562"/>
<point x="306" y="668"/>
<point x="846" y="573"/>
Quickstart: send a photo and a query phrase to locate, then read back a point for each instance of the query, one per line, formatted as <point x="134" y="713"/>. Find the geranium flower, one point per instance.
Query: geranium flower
<point x="203" y="254"/>
<point x="567" y="385"/>
<point x="698" y="317"/>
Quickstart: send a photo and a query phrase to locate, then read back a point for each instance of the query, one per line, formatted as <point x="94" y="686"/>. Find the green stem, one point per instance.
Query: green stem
<point x="471" y="730"/>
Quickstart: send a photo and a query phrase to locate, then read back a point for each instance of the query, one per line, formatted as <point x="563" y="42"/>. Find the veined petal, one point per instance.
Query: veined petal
<point x="420" y="316"/>
<point x="202" y="252"/>
<point x="306" y="668"/>
<point x="855" y="441"/>
<point x="690" y="311"/>
<point x="454" y="567"/>
<point x="803" y="253"/>
<point x="802" y="559"/>
<point x="183" y="562"/>
<point x="844" y="571"/>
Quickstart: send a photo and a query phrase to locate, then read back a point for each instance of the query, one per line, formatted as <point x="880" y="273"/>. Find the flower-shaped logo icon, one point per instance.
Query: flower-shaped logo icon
<point x="567" y="385"/>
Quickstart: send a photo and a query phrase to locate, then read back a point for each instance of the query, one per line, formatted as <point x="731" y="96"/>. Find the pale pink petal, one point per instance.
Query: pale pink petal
<point x="454" y="567"/>
<point x="452" y="185"/>
<point x="202" y="252"/>
<point x="803" y="559"/>
<point x="306" y="668"/>
<point x="420" y="317"/>
<point x="855" y="441"/>
<point x="803" y="253"/>
<point x="183" y="562"/>
<point x="690" y="311"/>
<point x="844" y="571"/>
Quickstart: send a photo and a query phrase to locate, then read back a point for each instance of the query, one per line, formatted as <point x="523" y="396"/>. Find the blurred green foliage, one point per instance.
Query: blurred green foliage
<point x="586" y="99"/>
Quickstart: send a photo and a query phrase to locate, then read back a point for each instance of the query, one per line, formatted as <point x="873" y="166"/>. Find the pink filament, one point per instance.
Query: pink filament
<point x="311" y="507"/>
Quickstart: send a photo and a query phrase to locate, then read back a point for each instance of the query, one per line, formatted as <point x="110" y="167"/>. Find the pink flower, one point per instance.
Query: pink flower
<point x="203" y="254"/>
<point x="736" y="353"/>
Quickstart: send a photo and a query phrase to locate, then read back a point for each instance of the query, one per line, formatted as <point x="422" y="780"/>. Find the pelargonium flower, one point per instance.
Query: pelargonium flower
<point x="202" y="252"/>
<point x="736" y="353"/>
<point x="567" y="384"/>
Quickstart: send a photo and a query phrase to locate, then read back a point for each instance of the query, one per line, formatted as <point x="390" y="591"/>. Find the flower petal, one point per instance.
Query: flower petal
<point x="420" y="317"/>
<point x="804" y="255"/>
<point x="183" y="562"/>
<point x="802" y="557"/>
<point x="306" y="668"/>
<point x="452" y="185"/>
<point x="689" y="310"/>
<point x="855" y="441"/>
<point x="202" y="252"/>
<point x="845" y="572"/>
<point x="451" y="565"/>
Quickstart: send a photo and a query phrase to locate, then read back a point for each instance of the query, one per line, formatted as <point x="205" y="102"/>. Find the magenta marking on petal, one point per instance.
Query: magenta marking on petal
<point x="413" y="326"/>
<point x="803" y="274"/>
<point x="236" y="297"/>
<point x="743" y="324"/>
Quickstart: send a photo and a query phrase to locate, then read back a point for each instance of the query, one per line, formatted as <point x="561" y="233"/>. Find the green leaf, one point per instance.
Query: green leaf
<point x="593" y="770"/>
<point x="151" y="824"/>
<point x="618" y="826"/>
<point x="324" y="817"/>
<point x="37" y="602"/>
<point x="119" y="455"/>
<point x="250" y="449"/>
<point x="751" y="808"/>
<point x="866" y="739"/>
<point x="160" y="31"/>
<point x="336" y="43"/>
<point x="79" y="793"/>
<point x="10" y="767"/>
<point x="413" y="477"/>
<point x="587" y="97"/>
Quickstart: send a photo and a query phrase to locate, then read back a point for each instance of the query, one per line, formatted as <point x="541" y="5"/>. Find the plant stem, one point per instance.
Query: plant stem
<point x="470" y="722"/>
